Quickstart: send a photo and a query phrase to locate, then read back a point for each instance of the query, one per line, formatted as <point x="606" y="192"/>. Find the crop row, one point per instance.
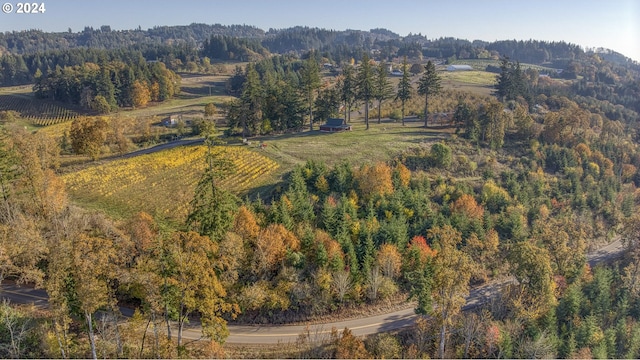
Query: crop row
<point x="38" y="112"/>
<point x="164" y="182"/>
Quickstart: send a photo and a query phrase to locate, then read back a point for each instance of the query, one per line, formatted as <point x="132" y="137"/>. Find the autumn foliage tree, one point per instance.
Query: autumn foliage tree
<point x="271" y="246"/>
<point x="374" y="180"/>
<point x="389" y="260"/>
<point x="535" y="294"/>
<point x="93" y="268"/>
<point x="88" y="136"/>
<point x="210" y="110"/>
<point x="451" y="275"/>
<point x="468" y="206"/>
<point x="193" y="285"/>
<point x="140" y="94"/>
<point x="401" y="176"/>
<point x="348" y="346"/>
<point x="245" y="224"/>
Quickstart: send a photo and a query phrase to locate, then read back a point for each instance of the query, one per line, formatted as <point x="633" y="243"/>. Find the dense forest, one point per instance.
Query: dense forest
<point x="107" y="86"/>
<point x="523" y="185"/>
<point x="193" y="42"/>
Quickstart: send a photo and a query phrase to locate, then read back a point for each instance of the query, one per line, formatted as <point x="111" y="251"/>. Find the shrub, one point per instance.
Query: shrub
<point x="441" y="155"/>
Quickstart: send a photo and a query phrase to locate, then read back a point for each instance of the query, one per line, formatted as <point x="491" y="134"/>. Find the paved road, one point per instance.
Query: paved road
<point x="274" y="334"/>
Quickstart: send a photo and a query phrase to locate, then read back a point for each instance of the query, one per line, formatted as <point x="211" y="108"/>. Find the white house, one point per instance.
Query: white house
<point x="170" y="121"/>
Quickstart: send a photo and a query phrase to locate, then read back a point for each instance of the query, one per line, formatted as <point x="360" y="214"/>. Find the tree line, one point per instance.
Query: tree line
<point x="106" y="86"/>
<point x="277" y="93"/>
<point x="194" y="42"/>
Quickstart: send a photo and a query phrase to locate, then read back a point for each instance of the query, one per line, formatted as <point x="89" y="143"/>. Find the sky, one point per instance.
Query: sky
<point x="613" y="24"/>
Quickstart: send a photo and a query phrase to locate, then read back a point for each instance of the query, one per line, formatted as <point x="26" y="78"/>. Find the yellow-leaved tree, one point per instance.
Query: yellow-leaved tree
<point x="451" y="275"/>
<point x="374" y="180"/>
<point x="271" y="246"/>
<point x="193" y="285"/>
<point x="534" y="295"/>
<point x="140" y="94"/>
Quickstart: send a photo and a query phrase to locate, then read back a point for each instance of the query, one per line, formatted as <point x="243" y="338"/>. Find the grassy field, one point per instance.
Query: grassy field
<point x="196" y="91"/>
<point x="380" y="143"/>
<point x="478" y="82"/>
<point x="481" y="64"/>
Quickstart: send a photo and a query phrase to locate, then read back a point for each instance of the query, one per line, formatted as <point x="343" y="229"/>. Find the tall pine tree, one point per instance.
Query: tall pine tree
<point x="404" y="87"/>
<point x="429" y="84"/>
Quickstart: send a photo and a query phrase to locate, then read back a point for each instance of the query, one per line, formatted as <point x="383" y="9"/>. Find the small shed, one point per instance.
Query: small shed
<point x="459" y="68"/>
<point x="335" y="125"/>
<point x="170" y="121"/>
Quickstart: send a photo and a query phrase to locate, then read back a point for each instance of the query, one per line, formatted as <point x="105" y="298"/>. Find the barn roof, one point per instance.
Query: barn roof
<point x="459" y="67"/>
<point x="335" y="122"/>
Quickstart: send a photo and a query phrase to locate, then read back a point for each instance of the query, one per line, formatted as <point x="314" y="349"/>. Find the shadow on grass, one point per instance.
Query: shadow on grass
<point x="207" y="89"/>
<point x="266" y="193"/>
<point x="419" y="131"/>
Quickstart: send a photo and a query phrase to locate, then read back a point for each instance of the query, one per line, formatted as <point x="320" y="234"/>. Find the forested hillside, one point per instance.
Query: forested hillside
<point x="436" y="189"/>
<point x="194" y="42"/>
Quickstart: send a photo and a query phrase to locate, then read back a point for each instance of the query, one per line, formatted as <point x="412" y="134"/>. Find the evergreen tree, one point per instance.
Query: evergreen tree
<point x="212" y="208"/>
<point x="298" y="194"/>
<point x="310" y="81"/>
<point x="383" y="89"/>
<point x="347" y="86"/>
<point x="327" y="104"/>
<point x="429" y="84"/>
<point x="466" y="117"/>
<point x="251" y="100"/>
<point x="365" y="86"/>
<point x="511" y="82"/>
<point x="404" y="87"/>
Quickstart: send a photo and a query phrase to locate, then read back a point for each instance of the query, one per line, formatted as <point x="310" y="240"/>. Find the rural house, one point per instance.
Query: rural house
<point x="170" y="121"/>
<point x="334" y="125"/>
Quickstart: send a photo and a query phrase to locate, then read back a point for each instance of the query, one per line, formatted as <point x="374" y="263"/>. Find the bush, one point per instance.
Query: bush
<point x="441" y="155"/>
<point x="395" y="115"/>
<point x="9" y="115"/>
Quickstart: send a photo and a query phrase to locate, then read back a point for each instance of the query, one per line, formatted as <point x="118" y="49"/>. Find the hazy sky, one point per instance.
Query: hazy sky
<point x="613" y="24"/>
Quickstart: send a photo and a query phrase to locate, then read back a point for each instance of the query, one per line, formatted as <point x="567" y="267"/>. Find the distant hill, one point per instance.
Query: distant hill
<point x="23" y="53"/>
<point x="32" y="41"/>
<point x="294" y="39"/>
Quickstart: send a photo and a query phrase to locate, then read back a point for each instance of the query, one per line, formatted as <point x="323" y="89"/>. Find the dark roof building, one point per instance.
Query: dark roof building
<point x="335" y="124"/>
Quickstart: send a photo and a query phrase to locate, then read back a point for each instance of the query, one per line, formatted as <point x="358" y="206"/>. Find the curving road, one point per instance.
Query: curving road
<point x="275" y="334"/>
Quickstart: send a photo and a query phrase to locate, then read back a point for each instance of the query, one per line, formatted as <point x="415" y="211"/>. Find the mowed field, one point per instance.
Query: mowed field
<point x="478" y="82"/>
<point x="381" y="142"/>
<point x="196" y="91"/>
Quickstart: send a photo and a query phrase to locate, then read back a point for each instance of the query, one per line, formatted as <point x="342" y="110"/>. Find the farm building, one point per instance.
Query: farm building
<point x="170" y="121"/>
<point x="459" y="68"/>
<point x="335" y="125"/>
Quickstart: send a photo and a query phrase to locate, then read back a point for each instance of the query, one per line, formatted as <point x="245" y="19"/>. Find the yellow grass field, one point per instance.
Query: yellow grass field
<point x="162" y="183"/>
